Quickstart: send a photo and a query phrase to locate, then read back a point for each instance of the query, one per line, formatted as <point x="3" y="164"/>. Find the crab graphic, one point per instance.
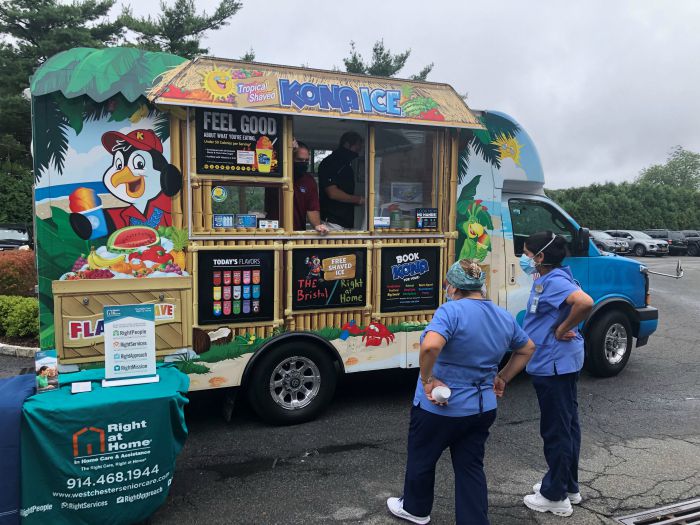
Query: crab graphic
<point x="374" y="334"/>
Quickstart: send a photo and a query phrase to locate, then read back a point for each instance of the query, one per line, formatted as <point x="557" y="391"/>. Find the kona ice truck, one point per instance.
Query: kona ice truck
<point x="170" y="182"/>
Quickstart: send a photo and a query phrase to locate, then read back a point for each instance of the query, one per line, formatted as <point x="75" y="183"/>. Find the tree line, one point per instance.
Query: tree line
<point x="665" y="195"/>
<point x="662" y="196"/>
<point x="34" y="30"/>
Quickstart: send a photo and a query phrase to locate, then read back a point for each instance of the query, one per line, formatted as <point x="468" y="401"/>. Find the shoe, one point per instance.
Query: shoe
<point x="539" y="503"/>
<point x="574" y="497"/>
<point x="396" y="508"/>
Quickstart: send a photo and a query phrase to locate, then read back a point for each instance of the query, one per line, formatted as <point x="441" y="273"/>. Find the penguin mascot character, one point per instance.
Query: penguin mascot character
<point x="140" y="176"/>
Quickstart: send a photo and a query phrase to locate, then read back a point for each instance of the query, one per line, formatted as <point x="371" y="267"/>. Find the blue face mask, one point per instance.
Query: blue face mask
<point x="527" y="264"/>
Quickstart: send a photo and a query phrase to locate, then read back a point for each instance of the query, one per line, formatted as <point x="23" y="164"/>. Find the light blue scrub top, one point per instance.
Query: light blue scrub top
<point x="549" y="294"/>
<point x="478" y="334"/>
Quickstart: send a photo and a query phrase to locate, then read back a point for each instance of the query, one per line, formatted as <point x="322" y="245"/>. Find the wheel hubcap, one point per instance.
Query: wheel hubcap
<point x="615" y="343"/>
<point x="295" y="383"/>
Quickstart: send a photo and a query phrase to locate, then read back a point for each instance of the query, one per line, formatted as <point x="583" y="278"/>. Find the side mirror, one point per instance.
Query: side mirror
<point x="583" y="240"/>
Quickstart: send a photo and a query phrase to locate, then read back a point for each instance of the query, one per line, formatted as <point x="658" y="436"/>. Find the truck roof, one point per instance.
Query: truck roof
<point x="211" y="82"/>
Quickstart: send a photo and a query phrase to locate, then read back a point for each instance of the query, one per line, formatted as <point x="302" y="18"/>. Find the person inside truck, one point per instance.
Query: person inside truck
<point x="454" y="354"/>
<point x="306" y="202"/>
<point x="336" y="177"/>
<point x="556" y="307"/>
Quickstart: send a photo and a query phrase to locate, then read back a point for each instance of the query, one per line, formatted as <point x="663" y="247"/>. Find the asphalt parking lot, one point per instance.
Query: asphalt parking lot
<point x="641" y="442"/>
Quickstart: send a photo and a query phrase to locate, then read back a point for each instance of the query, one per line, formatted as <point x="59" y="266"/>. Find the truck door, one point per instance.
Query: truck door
<point x="528" y="214"/>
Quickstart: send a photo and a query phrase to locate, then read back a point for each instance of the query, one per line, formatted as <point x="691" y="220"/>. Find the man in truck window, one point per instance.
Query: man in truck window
<point x="306" y="204"/>
<point x="337" y="180"/>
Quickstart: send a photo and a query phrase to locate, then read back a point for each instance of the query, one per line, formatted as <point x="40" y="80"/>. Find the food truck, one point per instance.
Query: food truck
<point x="167" y="181"/>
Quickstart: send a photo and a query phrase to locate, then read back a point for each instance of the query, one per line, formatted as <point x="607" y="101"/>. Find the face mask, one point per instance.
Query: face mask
<point x="300" y="168"/>
<point x="448" y="297"/>
<point x="527" y="264"/>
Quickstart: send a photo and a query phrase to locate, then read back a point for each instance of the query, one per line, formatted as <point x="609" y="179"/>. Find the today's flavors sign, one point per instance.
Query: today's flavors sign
<point x="130" y="341"/>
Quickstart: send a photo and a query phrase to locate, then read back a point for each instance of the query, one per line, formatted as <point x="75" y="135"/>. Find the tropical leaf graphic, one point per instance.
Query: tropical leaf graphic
<point x="50" y="135"/>
<point x="102" y="73"/>
<point x="55" y="73"/>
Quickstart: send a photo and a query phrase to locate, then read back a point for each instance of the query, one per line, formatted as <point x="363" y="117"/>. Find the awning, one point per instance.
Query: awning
<point x="220" y="83"/>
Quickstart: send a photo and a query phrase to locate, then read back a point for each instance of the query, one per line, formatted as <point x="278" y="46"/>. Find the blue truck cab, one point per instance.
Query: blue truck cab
<point x="501" y="201"/>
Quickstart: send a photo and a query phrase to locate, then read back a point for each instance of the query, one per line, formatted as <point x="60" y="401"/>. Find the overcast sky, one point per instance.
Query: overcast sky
<point x="605" y="87"/>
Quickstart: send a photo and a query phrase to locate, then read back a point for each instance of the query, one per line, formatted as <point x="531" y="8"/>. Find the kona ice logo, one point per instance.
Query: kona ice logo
<point x="339" y="98"/>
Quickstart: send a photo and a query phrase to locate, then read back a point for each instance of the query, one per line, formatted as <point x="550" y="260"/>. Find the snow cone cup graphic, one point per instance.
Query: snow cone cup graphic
<point x="263" y="154"/>
<point x="86" y="202"/>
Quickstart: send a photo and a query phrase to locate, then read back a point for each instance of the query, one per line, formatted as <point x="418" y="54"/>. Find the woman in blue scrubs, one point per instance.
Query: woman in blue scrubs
<point x="460" y="348"/>
<point x="556" y="307"/>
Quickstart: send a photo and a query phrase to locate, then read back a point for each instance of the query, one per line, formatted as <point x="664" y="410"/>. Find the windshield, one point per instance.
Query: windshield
<point x="13" y="235"/>
<point x="602" y="236"/>
<point x="639" y="235"/>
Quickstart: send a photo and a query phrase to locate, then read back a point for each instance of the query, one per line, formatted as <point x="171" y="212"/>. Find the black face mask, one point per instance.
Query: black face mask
<point x="300" y="168"/>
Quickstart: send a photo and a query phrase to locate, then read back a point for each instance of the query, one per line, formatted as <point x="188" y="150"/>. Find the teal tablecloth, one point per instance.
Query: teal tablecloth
<point x="105" y="456"/>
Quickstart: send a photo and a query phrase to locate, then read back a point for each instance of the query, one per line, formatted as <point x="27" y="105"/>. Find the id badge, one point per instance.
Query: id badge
<point x="535" y="303"/>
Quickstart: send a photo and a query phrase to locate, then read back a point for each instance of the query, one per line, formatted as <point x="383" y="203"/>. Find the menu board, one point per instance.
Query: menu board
<point x="329" y="278"/>
<point x="410" y="278"/>
<point x="235" y="286"/>
<point x="238" y="143"/>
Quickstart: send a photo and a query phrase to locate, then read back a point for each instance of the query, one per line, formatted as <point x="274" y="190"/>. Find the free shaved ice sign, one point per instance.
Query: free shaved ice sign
<point x="130" y="341"/>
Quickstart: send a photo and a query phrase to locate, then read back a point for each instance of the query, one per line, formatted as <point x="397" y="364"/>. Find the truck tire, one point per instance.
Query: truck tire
<point x="292" y="383"/>
<point x="608" y="344"/>
<point x="640" y="250"/>
<point x="693" y="250"/>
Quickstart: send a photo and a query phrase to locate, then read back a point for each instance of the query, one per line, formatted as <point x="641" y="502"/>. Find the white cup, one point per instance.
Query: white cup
<point x="441" y="394"/>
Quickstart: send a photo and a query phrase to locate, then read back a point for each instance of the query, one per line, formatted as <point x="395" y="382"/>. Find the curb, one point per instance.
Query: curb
<point x="17" y="351"/>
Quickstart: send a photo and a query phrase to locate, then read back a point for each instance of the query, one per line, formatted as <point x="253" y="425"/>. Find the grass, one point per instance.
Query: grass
<point x="189" y="366"/>
<point x="232" y="350"/>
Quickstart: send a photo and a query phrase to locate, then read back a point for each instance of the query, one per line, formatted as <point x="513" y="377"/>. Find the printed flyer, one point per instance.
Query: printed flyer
<point x="130" y="341"/>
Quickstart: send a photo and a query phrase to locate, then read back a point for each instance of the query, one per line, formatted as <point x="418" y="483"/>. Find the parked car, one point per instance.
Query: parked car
<point x="13" y="236"/>
<point x="640" y="243"/>
<point x="693" y="238"/>
<point x="608" y="243"/>
<point x="677" y="244"/>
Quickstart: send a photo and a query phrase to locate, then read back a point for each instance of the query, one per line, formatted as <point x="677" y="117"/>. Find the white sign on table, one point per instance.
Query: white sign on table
<point x="130" y="344"/>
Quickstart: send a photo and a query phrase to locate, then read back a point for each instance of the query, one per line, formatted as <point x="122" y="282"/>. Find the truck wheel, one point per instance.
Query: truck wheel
<point x="292" y="383"/>
<point x="640" y="251"/>
<point x="693" y="250"/>
<point x="608" y="344"/>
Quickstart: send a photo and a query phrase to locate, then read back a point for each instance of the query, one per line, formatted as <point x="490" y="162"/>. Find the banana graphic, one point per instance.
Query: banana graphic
<point x="97" y="262"/>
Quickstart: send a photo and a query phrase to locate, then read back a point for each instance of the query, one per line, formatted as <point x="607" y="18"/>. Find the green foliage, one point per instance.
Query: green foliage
<point x="682" y="170"/>
<point x="19" y="316"/>
<point x="231" y="350"/>
<point x="249" y="56"/>
<point x="635" y="206"/>
<point x="16" y="191"/>
<point x="329" y="333"/>
<point x="179" y="29"/>
<point x="33" y="31"/>
<point x="188" y="365"/>
<point x="383" y="63"/>
<point x="663" y="196"/>
<point x="17" y="272"/>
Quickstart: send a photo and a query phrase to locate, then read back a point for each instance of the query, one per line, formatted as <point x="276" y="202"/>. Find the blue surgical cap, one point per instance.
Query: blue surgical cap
<point x="459" y="278"/>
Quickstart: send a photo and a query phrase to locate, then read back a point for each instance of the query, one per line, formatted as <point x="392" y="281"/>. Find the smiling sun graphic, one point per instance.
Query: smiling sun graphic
<point x="218" y="83"/>
<point x="508" y="147"/>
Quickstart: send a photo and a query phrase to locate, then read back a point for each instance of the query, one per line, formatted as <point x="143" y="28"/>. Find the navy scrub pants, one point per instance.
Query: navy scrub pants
<point x="560" y="432"/>
<point x="428" y="436"/>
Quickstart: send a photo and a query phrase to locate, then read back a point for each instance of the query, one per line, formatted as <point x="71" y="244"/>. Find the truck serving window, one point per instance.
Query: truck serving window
<point x="243" y="206"/>
<point x="405" y="177"/>
<point x="530" y="216"/>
